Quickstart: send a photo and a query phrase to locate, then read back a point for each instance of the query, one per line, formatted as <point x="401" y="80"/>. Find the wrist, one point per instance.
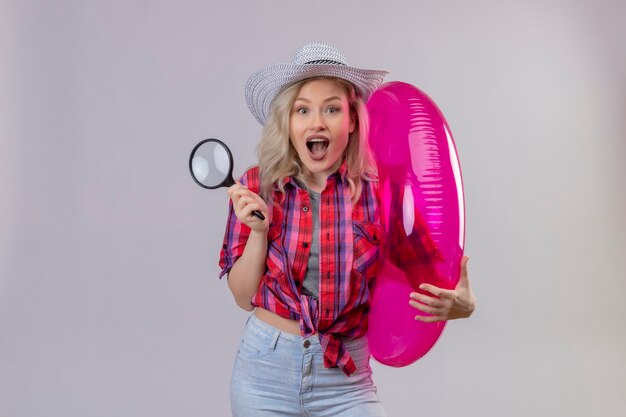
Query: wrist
<point x="256" y="234"/>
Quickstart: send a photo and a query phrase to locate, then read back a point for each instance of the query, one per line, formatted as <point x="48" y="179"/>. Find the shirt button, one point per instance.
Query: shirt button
<point x="305" y="209"/>
<point x="306" y="344"/>
<point x="306" y="245"/>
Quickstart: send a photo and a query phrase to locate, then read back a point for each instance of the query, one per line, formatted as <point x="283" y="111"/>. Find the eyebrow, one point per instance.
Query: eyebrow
<point x="328" y="99"/>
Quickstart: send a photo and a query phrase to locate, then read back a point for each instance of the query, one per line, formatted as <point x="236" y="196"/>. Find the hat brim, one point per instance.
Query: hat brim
<point x="266" y="83"/>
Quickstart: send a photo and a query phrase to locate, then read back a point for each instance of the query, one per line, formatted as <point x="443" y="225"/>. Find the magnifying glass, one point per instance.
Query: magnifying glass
<point x="211" y="166"/>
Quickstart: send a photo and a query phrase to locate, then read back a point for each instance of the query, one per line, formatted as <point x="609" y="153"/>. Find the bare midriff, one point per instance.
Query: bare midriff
<point x="281" y="323"/>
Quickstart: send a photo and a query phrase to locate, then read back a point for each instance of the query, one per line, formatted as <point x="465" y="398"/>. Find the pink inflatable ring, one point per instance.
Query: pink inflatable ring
<point x="422" y="215"/>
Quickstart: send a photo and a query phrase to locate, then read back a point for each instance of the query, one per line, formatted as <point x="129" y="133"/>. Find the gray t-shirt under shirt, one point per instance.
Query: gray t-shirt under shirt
<point x="311" y="283"/>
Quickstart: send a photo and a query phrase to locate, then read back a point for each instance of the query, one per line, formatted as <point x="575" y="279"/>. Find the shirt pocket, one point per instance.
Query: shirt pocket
<point x="366" y="245"/>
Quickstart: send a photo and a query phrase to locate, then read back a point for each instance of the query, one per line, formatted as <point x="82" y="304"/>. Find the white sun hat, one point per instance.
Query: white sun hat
<point x="311" y="60"/>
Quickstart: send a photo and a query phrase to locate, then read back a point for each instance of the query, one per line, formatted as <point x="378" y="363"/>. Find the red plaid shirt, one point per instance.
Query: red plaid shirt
<point x="349" y="236"/>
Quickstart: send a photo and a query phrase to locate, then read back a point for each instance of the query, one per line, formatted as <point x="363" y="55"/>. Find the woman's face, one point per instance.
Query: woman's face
<point x="319" y="125"/>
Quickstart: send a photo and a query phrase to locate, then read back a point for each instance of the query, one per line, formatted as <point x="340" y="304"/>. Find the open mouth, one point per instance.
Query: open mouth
<point x="317" y="147"/>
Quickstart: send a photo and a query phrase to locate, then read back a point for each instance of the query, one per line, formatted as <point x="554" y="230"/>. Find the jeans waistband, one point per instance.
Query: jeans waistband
<point x="258" y="326"/>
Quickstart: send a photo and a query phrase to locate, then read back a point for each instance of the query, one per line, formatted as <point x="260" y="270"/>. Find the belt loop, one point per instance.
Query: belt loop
<point x="275" y="339"/>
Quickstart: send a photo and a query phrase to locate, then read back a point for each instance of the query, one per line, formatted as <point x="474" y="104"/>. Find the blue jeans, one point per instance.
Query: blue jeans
<point x="281" y="374"/>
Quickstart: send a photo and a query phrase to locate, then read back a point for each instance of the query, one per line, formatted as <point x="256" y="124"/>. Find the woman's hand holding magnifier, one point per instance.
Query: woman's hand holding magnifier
<point x="245" y="203"/>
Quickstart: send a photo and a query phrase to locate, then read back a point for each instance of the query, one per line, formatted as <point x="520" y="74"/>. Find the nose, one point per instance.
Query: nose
<point x="317" y="122"/>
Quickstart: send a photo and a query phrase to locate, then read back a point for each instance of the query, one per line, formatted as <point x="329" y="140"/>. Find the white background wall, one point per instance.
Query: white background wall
<point x="109" y="299"/>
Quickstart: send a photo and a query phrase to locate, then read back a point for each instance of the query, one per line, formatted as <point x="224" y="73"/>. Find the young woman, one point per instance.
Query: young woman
<point x="305" y="270"/>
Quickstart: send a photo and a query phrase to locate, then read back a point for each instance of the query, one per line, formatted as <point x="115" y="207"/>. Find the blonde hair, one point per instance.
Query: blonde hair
<point x="278" y="158"/>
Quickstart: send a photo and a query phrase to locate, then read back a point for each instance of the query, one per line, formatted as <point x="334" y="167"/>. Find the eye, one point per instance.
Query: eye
<point x="302" y="110"/>
<point x="332" y="109"/>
